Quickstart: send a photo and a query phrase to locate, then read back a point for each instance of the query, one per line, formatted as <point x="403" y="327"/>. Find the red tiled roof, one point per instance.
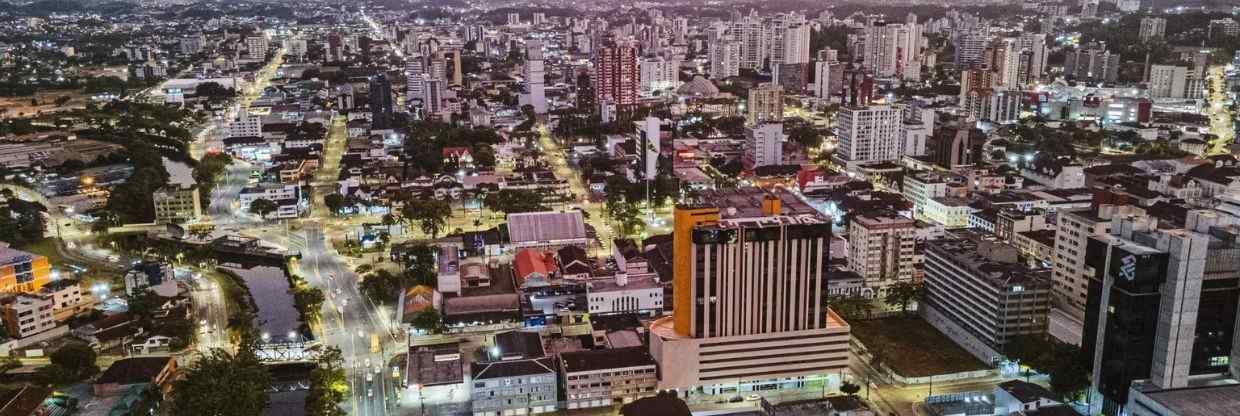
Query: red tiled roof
<point x="530" y="261"/>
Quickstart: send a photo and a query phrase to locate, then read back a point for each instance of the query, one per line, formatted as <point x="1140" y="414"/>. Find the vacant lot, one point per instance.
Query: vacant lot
<point x="46" y="103"/>
<point x="913" y="348"/>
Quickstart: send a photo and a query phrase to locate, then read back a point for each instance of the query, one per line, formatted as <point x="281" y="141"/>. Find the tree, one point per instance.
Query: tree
<point x="627" y="217"/>
<point x="1070" y="377"/>
<point x="263" y="207"/>
<point x="419" y="266"/>
<point x="328" y="385"/>
<point x="427" y="320"/>
<point x="214" y="90"/>
<point x="309" y="301"/>
<point x="335" y="202"/>
<point x="1067" y="366"/>
<point x="512" y="201"/>
<point x="9" y="363"/>
<point x="381" y="287"/>
<point x="224" y="384"/>
<point x="431" y="215"/>
<point x="73" y="362"/>
<point x="22" y="222"/>
<point x="208" y="170"/>
<point x="903" y="294"/>
<point x="804" y="133"/>
<point x="849" y="388"/>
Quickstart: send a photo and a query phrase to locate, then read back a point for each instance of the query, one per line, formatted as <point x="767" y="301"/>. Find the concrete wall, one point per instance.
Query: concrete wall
<point x="956" y="333"/>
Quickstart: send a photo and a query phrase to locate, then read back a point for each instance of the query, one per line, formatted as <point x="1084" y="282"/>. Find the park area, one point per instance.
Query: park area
<point x="911" y="347"/>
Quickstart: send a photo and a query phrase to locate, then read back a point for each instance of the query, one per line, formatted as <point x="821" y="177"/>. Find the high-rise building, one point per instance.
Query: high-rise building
<point x="975" y="78"/>
<point x="1089" y="8"/>
<point x="725" y="59"/>
<point x="869" y="134"/>
<point x="787" y="38"/>
<point x="244" y="124"/>
<point x="295" y="47"/>
<point x="956" y="146"/>
<point x="764" y="145"/>
<point x="999" y="106"/>
<point x="534" y="76"/>
<point x="650" y="139"/>
<point x="796" y="44"/>
<point x="1035" y="65"/>
<point x="415" y="80"/>
<point x="750" y="33"/>
<point x="1071" y="275"/>
<point x="1168" y="81"/>
<point x="659" y="74"/>
<point x="1092" y="63"/>
<point x="828" y="79"/>
<point x="380" y="102"/>
<point x="435" y="95"/>
<point x="1002" y="58"/>
<point x="1152" y="28"/>
<point x="894" y="50"/>
<point x="765" y="104"/>
<point x="176" y="203"/>
<point x="982" y="294"/>
<point x="256" y="46"/>
<point x="335" y="47"/>
<point x="916" y="129"/>
<point x="1162" y="304"/>
<point x="514" y="19"/>
<point x="828" y="55"/>
<point x="881" y="249"/>
<point x="193" y="44"/>
<point x="615" y="74"/>
<point x="586" y="99"/>
<point x="457" y="74"/>
<point x="680" y="29"/>
<point x="969" y="47"/>
<point x="743" y="320"/>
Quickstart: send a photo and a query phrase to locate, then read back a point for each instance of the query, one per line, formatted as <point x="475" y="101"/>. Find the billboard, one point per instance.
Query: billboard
<point x="1135" y="266"/>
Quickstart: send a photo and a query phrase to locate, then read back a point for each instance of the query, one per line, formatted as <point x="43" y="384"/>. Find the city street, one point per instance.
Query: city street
<point x="1219" y="111"/>
<point x="349" y="322"/>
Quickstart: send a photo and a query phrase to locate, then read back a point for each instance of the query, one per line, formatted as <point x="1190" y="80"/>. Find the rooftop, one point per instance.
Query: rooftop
<point x="514" y="368"/>
<point x="986" y="255"/>
<point x="1209" y="400"/>
<point x="546" y="226"/>
<point x="12" y="256"/>
<point x="134" y="370"/>
<point x="747" y="202"/>
<point x="594" y="360"/>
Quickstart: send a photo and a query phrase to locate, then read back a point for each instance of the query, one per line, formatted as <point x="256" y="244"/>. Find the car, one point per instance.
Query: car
<point x="753" y="398"/>
<point x="370" y="392"/>
<point x="367" y="363"/>
<point x="370" y="377"/>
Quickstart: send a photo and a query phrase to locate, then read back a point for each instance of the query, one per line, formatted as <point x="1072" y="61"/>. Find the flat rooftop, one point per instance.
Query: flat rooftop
<point x="1208" y="400"/>
<point x="747" y="202"/>
<point x="986" y="255"/>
